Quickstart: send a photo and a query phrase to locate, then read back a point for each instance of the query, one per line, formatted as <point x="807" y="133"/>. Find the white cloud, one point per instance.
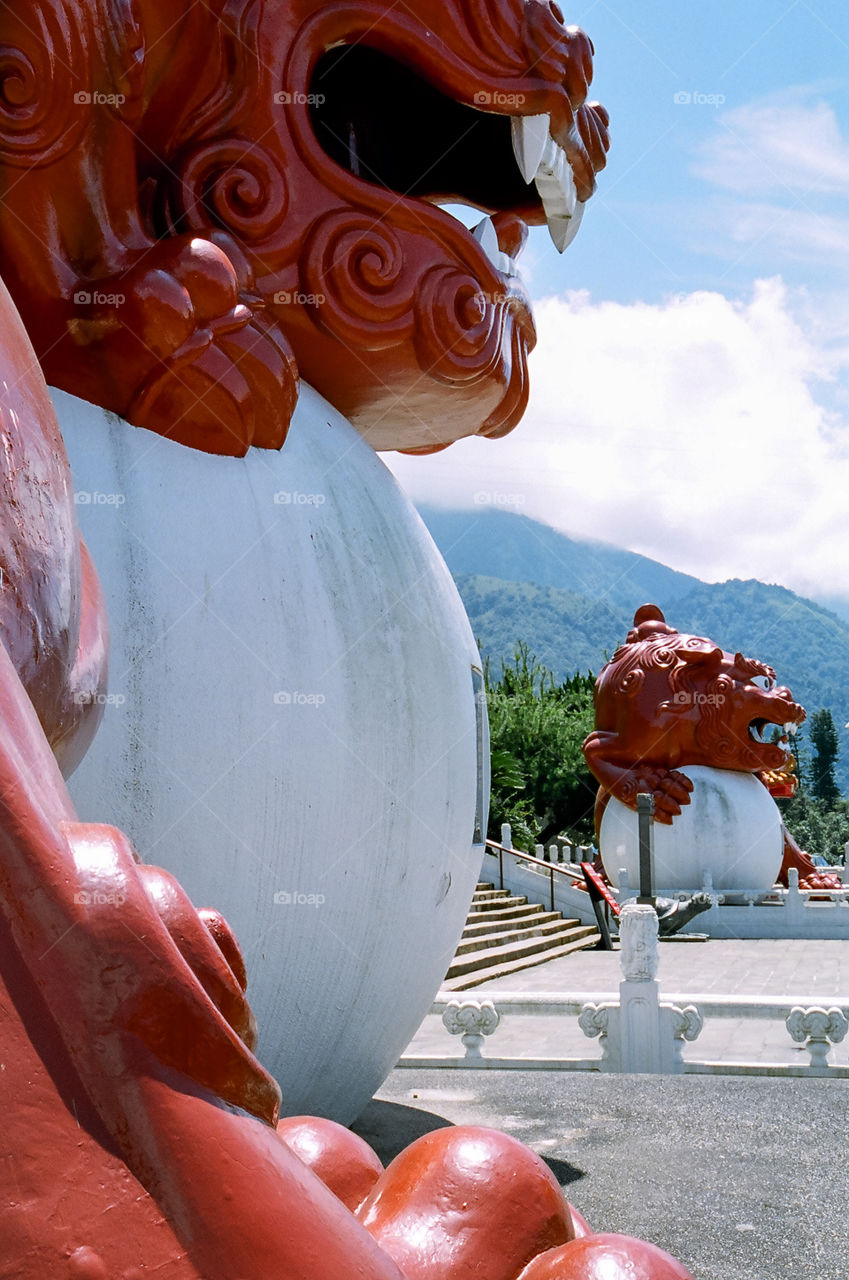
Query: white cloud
<point x="780" y="145"/>
<point x="687" y="430"/>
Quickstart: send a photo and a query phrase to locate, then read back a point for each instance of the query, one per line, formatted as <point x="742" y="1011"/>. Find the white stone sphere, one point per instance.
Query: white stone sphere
<point x="292" y="727"/>
<point x="731" y="828"/>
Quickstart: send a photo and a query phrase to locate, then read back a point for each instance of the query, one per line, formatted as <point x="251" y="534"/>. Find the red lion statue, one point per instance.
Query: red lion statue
<point x="202" y="198"/>
<point x="667" y="700"/>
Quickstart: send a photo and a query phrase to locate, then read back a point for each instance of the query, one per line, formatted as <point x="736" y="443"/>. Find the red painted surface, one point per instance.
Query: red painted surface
<point x="465" y="1201"/>
<point x="183" y="223"/>
<point x="606" y="1257"/>
<point x="344" y="1162"/>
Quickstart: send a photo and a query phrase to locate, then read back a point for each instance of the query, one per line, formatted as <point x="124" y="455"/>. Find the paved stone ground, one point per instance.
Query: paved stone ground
<point x="793" y="969"/>
<point x="740" y="1178"/>
<point x="743" y="1178"/>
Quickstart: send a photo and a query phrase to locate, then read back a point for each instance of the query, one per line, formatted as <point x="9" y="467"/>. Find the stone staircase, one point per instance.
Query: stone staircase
<point x="504" y="934"/>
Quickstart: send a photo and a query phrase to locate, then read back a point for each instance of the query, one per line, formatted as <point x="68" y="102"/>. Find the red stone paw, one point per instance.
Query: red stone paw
<point x="170" y="345"/>
<point x="466" y="1201"/>
<point x="670" y="788"/>
<point x="606" y="1257"/>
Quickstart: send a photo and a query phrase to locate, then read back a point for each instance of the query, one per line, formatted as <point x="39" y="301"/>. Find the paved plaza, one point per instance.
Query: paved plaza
<point x="742" y="1177"/>
<point x="795" y="970"/>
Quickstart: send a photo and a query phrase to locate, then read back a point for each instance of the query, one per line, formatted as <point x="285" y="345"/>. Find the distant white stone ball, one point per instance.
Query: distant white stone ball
<point x="731" y="828"/>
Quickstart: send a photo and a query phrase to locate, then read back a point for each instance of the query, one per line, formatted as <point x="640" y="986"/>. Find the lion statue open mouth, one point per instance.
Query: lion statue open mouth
<point x="201" y="200"/>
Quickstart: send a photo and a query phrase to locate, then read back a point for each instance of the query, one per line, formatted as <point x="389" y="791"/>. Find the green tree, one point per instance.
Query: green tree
<point x="824" y="740"/>
<point x="540" y="783"/>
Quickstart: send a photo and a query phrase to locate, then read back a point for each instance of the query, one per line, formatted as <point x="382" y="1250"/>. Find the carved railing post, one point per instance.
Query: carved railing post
<point x="818" y="1029"/>
<point x="640" y="1034"/>
<point x="471" y="1019"/>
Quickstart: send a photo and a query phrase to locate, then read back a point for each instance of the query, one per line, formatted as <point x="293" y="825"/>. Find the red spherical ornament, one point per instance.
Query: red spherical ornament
<point x="606" y="1257"/>
<point x="342" y="1160"/>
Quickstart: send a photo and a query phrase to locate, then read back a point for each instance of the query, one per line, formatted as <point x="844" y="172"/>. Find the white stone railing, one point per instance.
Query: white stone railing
<point x="744" y="913"/>
<point x="638" y="1029"/>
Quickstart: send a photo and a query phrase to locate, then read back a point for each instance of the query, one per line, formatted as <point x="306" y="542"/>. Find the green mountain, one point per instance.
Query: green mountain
<point x="573" y="602"/>
<point x="500" y="544"/>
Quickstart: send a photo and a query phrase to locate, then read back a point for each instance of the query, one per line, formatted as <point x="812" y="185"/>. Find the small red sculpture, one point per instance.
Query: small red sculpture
<point x="198" y="195"/>
<point x="667" y="700"/>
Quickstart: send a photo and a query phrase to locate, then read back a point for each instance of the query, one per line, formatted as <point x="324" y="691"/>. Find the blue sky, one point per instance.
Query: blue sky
<point x="691" y="383"/>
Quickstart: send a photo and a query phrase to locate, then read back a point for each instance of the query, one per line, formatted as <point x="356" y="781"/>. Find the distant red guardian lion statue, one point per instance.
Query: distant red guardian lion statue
<point x="667" y="700"/>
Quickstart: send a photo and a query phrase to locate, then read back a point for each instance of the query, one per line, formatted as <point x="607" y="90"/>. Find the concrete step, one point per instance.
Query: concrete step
<point x="479" y="977"/>
<point x="572" y="931"/>
<point x="504" y="915"/>
<point x="489" y="895"/>
<point x="518" y="933"/>
<point x="497" y="903"/>
<point x="521" y="917"/>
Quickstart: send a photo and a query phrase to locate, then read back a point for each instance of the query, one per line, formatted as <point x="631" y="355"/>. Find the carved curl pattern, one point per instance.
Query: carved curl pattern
<point x="42" y="106"/>
<point x="237" y="185"/>
<point x="458" y="328"/>
<point x="355" y="266"/>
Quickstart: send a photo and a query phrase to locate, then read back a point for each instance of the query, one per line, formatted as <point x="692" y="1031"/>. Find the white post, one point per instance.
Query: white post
<point x="794" y="904"/>
<point x="540" y="852"/>
<point x="506" y="835"/>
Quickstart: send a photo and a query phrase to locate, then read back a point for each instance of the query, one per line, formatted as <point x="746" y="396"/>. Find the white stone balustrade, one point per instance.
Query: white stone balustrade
<point x="471" y="1019"/>
<point x="818" y="1029"/>
<point x="640" y="1033"/>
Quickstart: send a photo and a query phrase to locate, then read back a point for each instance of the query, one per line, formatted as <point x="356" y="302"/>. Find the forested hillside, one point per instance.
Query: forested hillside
<point x="571" y="629"/>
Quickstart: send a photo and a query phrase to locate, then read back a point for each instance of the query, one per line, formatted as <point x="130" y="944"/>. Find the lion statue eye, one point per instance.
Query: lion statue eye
<point x="762" y="682"/>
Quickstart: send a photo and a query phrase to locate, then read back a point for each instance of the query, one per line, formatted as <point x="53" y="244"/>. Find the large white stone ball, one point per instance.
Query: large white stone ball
<point x="731" y="828"/>
<point x="293" y="727"/>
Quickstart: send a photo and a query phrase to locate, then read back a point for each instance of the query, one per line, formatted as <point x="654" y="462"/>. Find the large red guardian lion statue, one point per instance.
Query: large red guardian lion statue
<point x="199" y="198"/>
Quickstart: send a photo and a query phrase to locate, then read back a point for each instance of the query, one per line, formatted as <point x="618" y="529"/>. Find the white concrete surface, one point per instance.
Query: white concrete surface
<point x="731" y="828"/>
<point x="291" y="726"/>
